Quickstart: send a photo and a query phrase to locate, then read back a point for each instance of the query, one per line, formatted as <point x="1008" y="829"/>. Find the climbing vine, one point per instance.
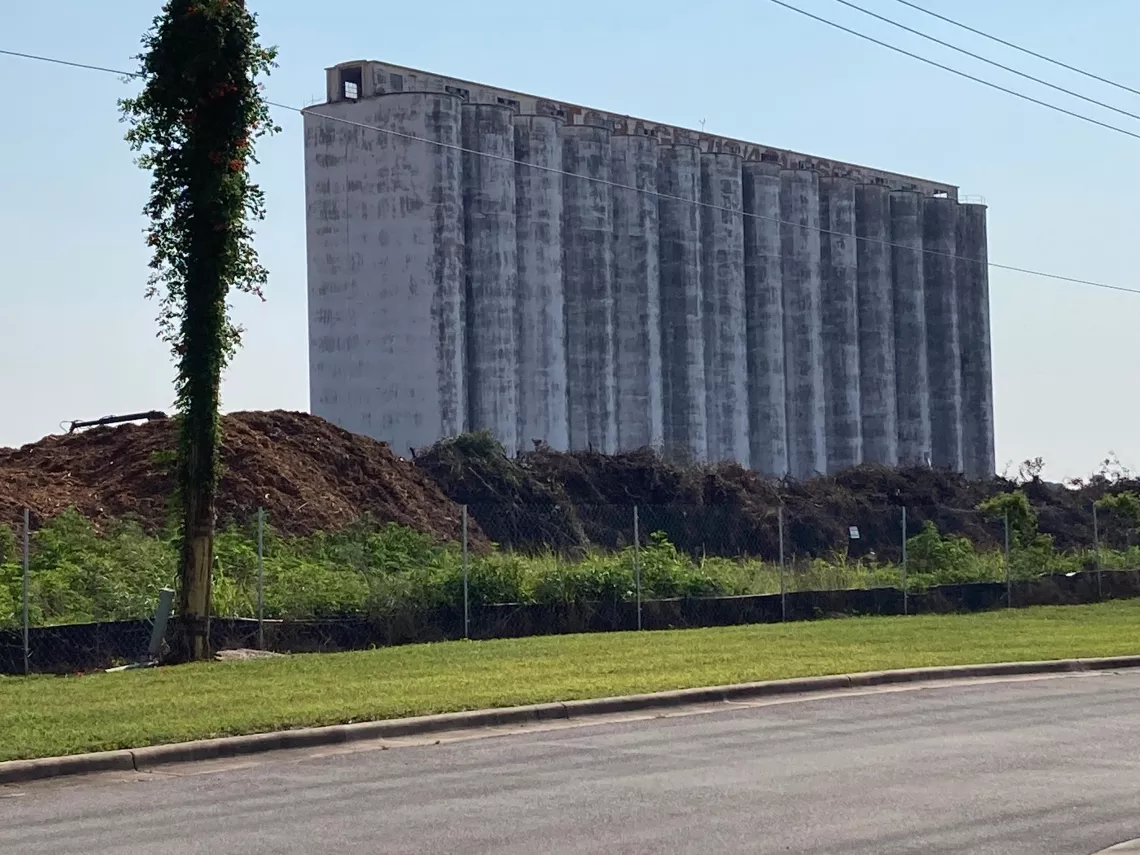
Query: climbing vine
<point x="195" y="124"/>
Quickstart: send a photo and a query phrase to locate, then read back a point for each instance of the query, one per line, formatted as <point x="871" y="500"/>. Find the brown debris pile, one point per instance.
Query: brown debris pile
<point x="307" y="474"/>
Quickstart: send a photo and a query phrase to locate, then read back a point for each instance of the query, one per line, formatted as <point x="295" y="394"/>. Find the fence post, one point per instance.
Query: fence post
<point x="260" y="578"/>
<point x="466" y="607"/>
<point x="783" y="586"/>
<point x="1096" y="545"/>
<point x="637" y="564"/>
<point x="27" y="581"/>
<point x="1008" y="573"/>
<point x="906" y="602"/>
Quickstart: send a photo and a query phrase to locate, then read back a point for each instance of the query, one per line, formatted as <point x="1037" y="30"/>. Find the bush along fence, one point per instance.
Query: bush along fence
<point x="83" y="647"/>
<point x="73" y="597"/>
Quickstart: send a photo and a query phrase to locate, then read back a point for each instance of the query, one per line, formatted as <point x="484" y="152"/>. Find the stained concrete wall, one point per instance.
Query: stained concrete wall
<point x="973" y="290"/>
<point x="490" y="255"/>
<point x="764" y="297"/>
<point x="840" y="320"/>
<point x="637" y="297"/>
<point x="725" y="320"/>
<point x="540" y="304"/>
<point x="877" y="404"/>
<point x="939" y="241"/>
<point x="912" y="381"/>
<point x="566" y="284"/>
<point x="803" y="323"/>
<point x="387" y="331"/>
<point x="682" y="330"/>
<point x="587" y="275"/>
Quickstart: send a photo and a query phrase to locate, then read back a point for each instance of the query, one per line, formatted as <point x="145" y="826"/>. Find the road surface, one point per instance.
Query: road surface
<point x="1035" y="766"/>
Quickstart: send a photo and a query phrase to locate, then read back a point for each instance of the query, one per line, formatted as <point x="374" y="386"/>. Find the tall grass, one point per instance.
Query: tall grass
<point x="79" y="575"/>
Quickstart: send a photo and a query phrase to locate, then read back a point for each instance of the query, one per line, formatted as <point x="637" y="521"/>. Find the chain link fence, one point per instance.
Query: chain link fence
<point x="72" y="598"/>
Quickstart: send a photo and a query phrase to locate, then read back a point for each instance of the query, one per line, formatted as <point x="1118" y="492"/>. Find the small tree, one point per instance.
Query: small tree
<point x="1022" y="518"/>
<point x="1124" y="506"/>
<point x="195" y="122"/>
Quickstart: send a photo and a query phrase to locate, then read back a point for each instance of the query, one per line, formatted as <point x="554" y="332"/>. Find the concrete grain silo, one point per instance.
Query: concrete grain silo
<point x="491" y="267"/>
<point x="912" y="379"/>
<point x="803" y="323"/>
<point x="839" y="311"/>
<point x="540" y="304"/>
<point x="764" y="310"/>
<point x="485" y="259"/>
<point x="877" y="395"/>
<point x="682" y="323"/>
<point x="724" y="317"/>
<point x="637" y="294"/>
<point x="943" y="361"/>
<point x="587" y="275"/>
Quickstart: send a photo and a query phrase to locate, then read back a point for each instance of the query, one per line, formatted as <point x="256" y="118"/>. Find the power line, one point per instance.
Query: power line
<point x="986" y="60"/>
<point x="1018" y="47"/>
<point x="953" y="70"/>
<point x="82" y="65"/>
<point x="615" y="185"/>
<point x="708" y="205"/>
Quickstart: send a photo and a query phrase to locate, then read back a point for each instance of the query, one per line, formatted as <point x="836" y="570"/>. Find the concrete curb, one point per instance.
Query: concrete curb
<point x="142" y="759"/>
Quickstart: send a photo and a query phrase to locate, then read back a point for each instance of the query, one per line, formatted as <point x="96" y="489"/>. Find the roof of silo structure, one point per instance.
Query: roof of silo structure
<point x="382" y="78"/>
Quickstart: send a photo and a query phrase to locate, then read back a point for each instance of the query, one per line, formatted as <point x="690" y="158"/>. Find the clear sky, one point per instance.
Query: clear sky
<point x="78" y="340"/>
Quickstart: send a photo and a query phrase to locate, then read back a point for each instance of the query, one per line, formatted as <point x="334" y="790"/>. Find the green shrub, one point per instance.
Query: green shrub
<point x="387" y="571"/>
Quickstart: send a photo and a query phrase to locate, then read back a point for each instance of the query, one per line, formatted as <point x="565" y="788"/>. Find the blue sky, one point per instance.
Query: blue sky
<point x="79" y="340"/>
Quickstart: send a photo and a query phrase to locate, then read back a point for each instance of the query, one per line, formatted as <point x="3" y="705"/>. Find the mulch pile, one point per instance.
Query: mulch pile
<point x="311" y="476"/>
<point x="307" y="474"/>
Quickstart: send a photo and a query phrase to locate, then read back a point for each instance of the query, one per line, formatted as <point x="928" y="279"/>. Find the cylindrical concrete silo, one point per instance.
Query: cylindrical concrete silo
<point x="491" y="270"/>
<point x="587" y="239"/>
<point x="876" y="325"/>
<point x="682" y="334"/>
<point x="396" y="334"/>
<point x="764" y="295"/>
<point x="803" y="331"/>
<point x="973" y="286"/>
<point x="540" y="303"/>
<point x="912" y="387"/>
<point x="637" y="312"/>
<point x="943" y="361"/>
<point x="725" y="320"/>
<point x="840" y="311"/>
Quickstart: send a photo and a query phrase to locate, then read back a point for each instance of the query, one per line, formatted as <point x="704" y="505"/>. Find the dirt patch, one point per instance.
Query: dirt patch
<point x="307" y="474"/>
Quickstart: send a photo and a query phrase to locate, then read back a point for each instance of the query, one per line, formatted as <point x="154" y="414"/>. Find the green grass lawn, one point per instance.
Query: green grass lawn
<point x="45" y="716"/>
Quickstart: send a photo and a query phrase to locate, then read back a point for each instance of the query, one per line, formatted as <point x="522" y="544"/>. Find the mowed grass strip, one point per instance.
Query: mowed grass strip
<point x="48" y="716"/>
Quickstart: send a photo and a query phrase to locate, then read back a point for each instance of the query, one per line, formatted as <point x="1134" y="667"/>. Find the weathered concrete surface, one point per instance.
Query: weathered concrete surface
<point x="587" y="247"/>
<point x="940" y="224"/>
<point x="637" y="294"/>
<point x="386" y="292"/>
<point x="764" y="295"/>
<point x="490" y="253"/>
<point x="840" y="314"/>
<point x="682" y="331"/>
<point x="725" y="320"/>
<point x="912" y="381"/>
<point x="876" y="325"/>
<point x="541" y="304"/>
<point x="973" y="288"/>
<point x="803" y="327"/>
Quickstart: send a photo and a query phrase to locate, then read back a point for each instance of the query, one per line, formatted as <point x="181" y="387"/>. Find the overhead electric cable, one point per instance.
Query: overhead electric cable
<point x="311" y="111"/>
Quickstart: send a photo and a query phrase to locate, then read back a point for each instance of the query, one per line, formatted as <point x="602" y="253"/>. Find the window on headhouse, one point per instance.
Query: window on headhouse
<point x="351" y="82"/>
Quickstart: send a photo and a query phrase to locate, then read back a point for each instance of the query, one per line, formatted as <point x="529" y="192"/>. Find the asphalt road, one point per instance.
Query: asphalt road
<point x="1045" y="766"/>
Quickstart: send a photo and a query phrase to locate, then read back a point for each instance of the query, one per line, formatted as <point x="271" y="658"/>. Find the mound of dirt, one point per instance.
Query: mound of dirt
<point x="307" y="474"/>
<point x="546" y="498"/>
<point x="310" y="476"/>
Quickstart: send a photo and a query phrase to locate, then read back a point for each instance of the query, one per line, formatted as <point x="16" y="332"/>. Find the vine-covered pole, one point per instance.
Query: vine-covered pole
<point x="194" y="123"/>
